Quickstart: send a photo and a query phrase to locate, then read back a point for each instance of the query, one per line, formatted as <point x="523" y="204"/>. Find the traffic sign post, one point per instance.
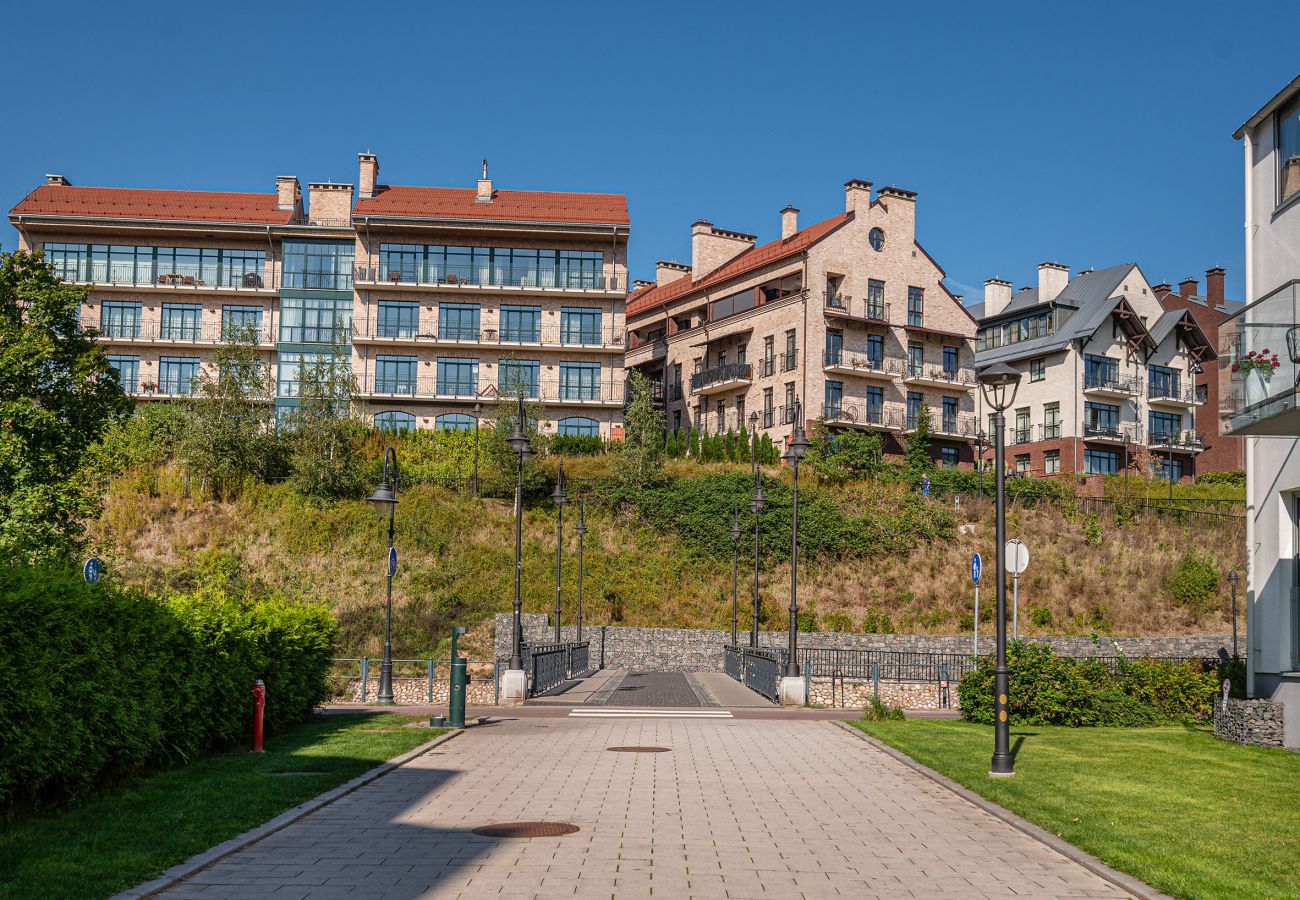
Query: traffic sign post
<point x="1017" y="562"/>
<point x="976" y="568"/>
<point x="92" y="570"/>
<point x="392" y="561"/>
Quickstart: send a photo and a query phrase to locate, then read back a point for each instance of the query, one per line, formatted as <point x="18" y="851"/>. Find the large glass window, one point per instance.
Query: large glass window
<point x="948" y="457"/>
<point x="458" y="377"/>
<point x="730" y="305"/>
<point x="875" y="299"/>
<point x="128" y="372"/>
<point x="950" y="415"/>
<point x="397" y="319"/>
<point x="834" y="347"/>
<point x="314" y="320"/>
<point x="1052" y="462"/>
<point x="395" y="374"/>
<point x="395" y="421"/>
<point x="915" y="306"/>
<point x="156" y="265"/>
<point x="181" y="321"/>
<point x="318" y="265"/>
<point x="915" y="358"/>
<point x="579" y="381"/>
<point x="243" y="322"/>
<point x="177" y="375"/>
<point x="1101" y="417"/>
<point x="876" y="350"/>
<point x="579" y="426"/>
<point x="580" y="326"/>
<point x="1288" y="151"/>
<point x="1023" y="431"/>
<point x="458" y="321"/>
<point x="516" y="376"/>
<point x="1100" y="462"/>
<point x="120" y="320"/>
<point x="834" y="398"/>
<point x="1051" y="421"/>
<point x="1167" y="469"/>
<point x="454" y="422"/>
<point x="490" y="266"/>
<point x="875" y="404"/>
<point x="1164" y="426"/>
<point x="1037" y="369"/>
<point x="1100" y="371"/>
<point x="521" y="323"/>
<point x="1164" y="382"/>
<point x="292" y="365"/>
<point x="950" y="364"/>
<point x="914" y="402"/>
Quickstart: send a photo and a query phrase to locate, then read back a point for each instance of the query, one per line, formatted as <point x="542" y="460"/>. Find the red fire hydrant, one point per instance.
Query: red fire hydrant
<point x="259" y="703"/>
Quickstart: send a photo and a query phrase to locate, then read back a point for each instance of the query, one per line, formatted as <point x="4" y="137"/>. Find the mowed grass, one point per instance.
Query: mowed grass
<point x="1187" y="813"/>
<point x="131" y="833"/>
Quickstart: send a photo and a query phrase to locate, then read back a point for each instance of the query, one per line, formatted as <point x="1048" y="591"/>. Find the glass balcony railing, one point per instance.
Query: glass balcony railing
<point x="583" y="279"/>
<point x="1259" y="366"/>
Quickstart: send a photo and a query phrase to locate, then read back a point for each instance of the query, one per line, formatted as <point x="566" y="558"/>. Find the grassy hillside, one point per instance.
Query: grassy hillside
<point x="889" y="560"/>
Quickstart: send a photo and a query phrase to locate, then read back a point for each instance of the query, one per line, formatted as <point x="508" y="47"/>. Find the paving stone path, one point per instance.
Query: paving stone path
<point x="737" y="809"/>
<point x="652" y="689"/>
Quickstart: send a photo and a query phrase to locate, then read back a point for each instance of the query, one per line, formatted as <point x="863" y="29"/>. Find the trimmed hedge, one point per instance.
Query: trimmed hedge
<point x="98" y="683"/>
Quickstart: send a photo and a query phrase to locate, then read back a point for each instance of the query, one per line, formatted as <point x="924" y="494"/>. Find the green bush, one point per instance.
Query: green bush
<point x="876" y="711"/>
<point x="577" y="445"/>
<point x="100" y="683"/>
<point x="1193" y="582"/>
<point x="1183" y="691"/>
<point x="1236" y="479"/>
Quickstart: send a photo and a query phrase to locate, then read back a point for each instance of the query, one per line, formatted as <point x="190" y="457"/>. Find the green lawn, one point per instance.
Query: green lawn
<point x="1187" y="813"/>
<point x="131" y="833"/>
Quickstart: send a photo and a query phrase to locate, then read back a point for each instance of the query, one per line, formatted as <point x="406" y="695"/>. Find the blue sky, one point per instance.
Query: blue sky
<point x="1087" y="137"/>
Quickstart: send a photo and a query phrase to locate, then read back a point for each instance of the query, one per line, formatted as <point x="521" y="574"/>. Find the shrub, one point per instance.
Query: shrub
<point x="101" y="683"/>
<point x="1116" y="708"/>
<point x="1183" y="691"/>
<point x="1193" y="581"/>
<point x="876" y="711"/>
<point x="837" y="621"/>
<point x="1236" y="479"/>
<point x="577" y="445"/>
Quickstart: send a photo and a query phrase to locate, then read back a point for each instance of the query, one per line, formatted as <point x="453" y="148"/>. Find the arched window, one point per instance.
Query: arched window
<point x="579" y="425"/>
<point x="394" y="420"/>
<point x="454" y="422"/>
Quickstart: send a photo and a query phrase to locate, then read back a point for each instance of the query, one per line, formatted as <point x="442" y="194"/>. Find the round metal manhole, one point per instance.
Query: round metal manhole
<point x="638" y="749"/>
<point x="526" y="829"/>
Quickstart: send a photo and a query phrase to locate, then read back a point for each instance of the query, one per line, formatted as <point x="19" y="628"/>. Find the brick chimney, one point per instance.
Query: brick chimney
<point x="369" y="175"/>
<point x="1187" y="287"/>
<point x="288" y="191"/>
<point x="1162" y="290"/>
<point x="711" y="247"/>
<point x="857" y="195"/>
<point x="1214" y="287"/>
<point x="900" y="211"/>
<point x="667" y="271"/>
<point x="484" y="194"/>
<point x="329" y="204"/>
<point x="789" y="222"/>
<point x="57" y="179"/>
<point x="997" y="295"/>
<point x="1052" y="279"/>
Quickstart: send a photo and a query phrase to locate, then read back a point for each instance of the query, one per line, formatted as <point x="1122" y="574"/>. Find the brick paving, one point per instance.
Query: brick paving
<point x="738" y="809"/>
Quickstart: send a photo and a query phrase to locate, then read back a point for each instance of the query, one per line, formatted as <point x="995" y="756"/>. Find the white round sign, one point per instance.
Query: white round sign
<point x="1017" y="556"/>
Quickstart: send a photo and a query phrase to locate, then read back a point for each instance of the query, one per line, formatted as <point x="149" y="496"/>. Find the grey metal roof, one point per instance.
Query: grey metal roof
<point x="1161" y="327"/>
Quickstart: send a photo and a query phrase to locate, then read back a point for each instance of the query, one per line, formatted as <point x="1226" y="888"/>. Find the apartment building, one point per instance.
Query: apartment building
<point x="848" y="316"/>
<point x="440" y="299"/>
<point x="1108" y="375"/>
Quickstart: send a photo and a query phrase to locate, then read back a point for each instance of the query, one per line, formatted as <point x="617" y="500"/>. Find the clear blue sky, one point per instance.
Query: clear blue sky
<point x="1090" y="137"/>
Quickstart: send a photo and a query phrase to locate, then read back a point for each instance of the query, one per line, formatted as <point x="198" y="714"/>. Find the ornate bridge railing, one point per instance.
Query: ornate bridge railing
<point x="550" y="665"/>
<point x="757" y="668"/>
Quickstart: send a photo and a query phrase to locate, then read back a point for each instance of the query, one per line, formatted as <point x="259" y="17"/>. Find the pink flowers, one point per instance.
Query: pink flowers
<point x="1261" y="361"/>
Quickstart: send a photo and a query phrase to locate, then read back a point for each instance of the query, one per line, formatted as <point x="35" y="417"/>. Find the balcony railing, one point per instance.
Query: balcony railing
<point x="432" y="388"/>
<point x="144" y="275"/>
<point x="1122" y="432"/>
<point x="869" y="310"/>
<point x="863" y="363"/>
<point x="767" y="366"/>
<point x="556" y="335"/>
<point x="769" y="417"/>
<point x="1177" y="440"/>
<point x="789" y="360"/>
<point x="1049" y="432"/>
<point x="1169" y="392"/>
<point x="1120" y="384"/>
<point x="863" y="414"/>
<point x="181" y="333"/>
<point x="958" y="376"/>
<point x="488" y="276"/>
<point x="1254" y="397"/>
<point x="956" y="425"/>
<point x="721" y="375"/>
<point x="1021" y="435"/>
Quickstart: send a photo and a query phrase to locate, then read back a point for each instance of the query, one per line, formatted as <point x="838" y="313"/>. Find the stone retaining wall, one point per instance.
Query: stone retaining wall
<point x="854" y="693"/>
<point x="480" y="691"/>
<point x="1249" y="721"/>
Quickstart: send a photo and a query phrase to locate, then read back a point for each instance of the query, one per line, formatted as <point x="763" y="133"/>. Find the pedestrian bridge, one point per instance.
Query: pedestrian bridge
<point x="624" y="689"/>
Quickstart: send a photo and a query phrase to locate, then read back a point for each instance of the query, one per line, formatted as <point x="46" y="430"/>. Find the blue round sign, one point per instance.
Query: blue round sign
<point x="976" y="565"/>
<point x="91" y="571"/>
<point x="392" y="561"/>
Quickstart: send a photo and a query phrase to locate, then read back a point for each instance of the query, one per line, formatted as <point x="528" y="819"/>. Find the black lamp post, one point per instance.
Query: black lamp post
<point x="561" y="500"/>
<point x="478" y="409"/>
<point x="735" y="567"/>
<point x="1232" y="583"/>
<point x="999" y="382"/>
<point x="756" y="504"/>
<point x="794" y="452"/>
<point x="582" y="533"/>
<point x="519" y="443"/>
<point x="385" y="500"/>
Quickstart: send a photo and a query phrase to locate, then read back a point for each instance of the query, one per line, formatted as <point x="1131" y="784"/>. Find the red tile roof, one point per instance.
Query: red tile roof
<point x="506" y="206"/>
<point x="132" y="203"/>
<point x="756" y="257"/>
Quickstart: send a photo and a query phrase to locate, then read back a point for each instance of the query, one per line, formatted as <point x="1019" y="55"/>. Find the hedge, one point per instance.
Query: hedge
<point x="99" y="683"/>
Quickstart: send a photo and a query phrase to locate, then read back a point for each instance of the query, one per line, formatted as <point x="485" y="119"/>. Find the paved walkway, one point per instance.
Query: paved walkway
<point x="736" y="808"/>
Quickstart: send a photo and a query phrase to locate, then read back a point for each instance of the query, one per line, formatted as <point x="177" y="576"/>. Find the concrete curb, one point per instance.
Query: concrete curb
<point x="194" y="864"/>
<point x="1121" y="880"/>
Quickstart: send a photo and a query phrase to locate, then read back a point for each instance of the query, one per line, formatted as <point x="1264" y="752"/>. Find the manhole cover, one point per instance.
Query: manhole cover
<point x="638" y="749"/>
<point x="526" y="829"/>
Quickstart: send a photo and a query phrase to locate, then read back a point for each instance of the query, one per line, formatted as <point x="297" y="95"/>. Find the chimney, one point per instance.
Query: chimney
<point x="1187" y="287"/>
<point x="1214" y="287"/>
<point x="711" y="247"/>
<point x="900" y="216"/>
<point x="639" y="283"/>
<point x="1052" y="279"/>
<point x="789" y="222"/>
<point x="857" y="195"/>
<point x="287" y="189"/>
<point x="997" y="295"/>
<point x="667" y="271"/>
<point x="57" y="179"/>
<point x="484" y="187"/>
<point x="329" y="204"/>
<point x="1162" y="290"/>
<point x="369" y="175"/>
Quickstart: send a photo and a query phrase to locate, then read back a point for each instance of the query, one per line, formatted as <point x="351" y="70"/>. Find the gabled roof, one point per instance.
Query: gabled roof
<point x="1192" y="334"/>
<point x="74" y="201"/>
<point x="754" y="258"/>
<point x="1270" y="107"/>
<point x="1079" y="323"/>
<point x="404" y="201"/>
<point x="1081" y="291"/>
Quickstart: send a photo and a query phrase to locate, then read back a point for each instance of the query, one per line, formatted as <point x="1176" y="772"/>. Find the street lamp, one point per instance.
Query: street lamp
<point x="385" y="500"/>
<point x="756" y="504"/>
<point x="561" y="500"/>
<point x="1232" y="583"/>
<point x="478" y="409"/>
<point x="794" y="452"/>
<point x="520" y="445"/>
<point x="999" y="382"/>
<point x="582" y="533"/>
<point x="753" y="441"/>
<point x="735" y="566"/>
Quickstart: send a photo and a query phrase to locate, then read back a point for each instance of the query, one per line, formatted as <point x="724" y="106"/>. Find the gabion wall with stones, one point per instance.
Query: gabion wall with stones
<point x="479" y="692"/>
<point x="855" y="693"/>
<point x="1249" y="721"/>
<point x="700" y="650"/>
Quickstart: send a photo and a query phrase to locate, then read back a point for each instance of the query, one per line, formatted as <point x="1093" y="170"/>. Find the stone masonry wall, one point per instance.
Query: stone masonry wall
<point x="480" y="692"/>
<point x="1249" y="721"/>
<point x="854" y="693"/>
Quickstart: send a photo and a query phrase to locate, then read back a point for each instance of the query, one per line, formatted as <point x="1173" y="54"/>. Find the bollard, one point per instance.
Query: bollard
<point x="259" y="702"/>
<point x="943" y="685"/>
<point x="430" y="700"/>
<point x="875" y="679"/>
<point x="365" y="673"/>
<point x="458" y="680"/>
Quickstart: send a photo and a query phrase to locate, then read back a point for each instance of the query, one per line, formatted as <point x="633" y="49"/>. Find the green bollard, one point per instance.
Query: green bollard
<point x="459" y="679"/>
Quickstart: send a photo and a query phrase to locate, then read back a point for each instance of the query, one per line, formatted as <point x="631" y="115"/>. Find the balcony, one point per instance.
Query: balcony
<point x="867" y="312"/>
<point x="1177" y="441"/>
<point x="845" y="363"/>
<point x="180" y="334"/>
<point x="607" y="394"/>
<point x="767" y="367"/>
<point x="863" y="417"/>
<point x="474" y="280"/>
<point x="769" y="417"/>
<point x="543" y="336"/>
<point x="1051" y="432"/>
<point x="958" y="379"/>
<point x="1118" y="433"/>
<point x="1023" y="435"/>
<point x="1256" y="399"/>
<point x="722" y="378"/>
<point x="958" y="426"/>
<point x="1167" y="395"/>
<point x="1104" y="385"/>
<point x="789" y="360"/>
<point x="102" y="276"/>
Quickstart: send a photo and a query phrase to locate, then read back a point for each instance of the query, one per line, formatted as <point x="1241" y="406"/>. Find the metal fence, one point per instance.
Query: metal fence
<point x="550" y="665"/>
<point x="431" y="670"/>
<point x="757" y="668"/>
<point x="890" y="665"/>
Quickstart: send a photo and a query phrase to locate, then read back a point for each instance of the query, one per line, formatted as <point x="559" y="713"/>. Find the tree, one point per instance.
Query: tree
<point x="917" y="455"/>
<point x="845" y="454"/>
<point x="325" y="460"/>
<point x="58" y="393"/>
<point x="642" y="455"/>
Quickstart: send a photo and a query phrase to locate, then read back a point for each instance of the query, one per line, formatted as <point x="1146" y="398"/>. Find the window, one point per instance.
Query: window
<point x="914" y="403"/>
<point x="722" y="416"/>
<point x="318" y="265"/>
<point x="788" y="360"/>
<point x="741" y="352"/>
<point x="788" y="413"/>
<point x="1022" y="463"/>
<point x="241" y="322"/>
<point x="521" y="323"/>
<point x="458" y="321"/>
<point x="915" y="358"/>
<point x="128" y="372"/>
<point x="120" y="320"/>
<point x="876" y="238"/>
<point x="834" y="398"/>
<point x="1052" y="462"/>
<point x="1288" y="156"/>
<point x="1167" y="469"/>
<point x="516" y="376"/>
<point x="1037" y="369"/>
<point x="722" y="358"/>
<point x="579" y="381"/>
<point x="1023" y="430"/>
<point x="395" y="374"/>
<point x="437" y="264"/>
<point x="1022" y="329"/>
<point x="177" y="375"/>
<point x="769" y="355"/>
<point x="579" y="426"/>
<point x="950" y="362"/>
<point x="315" y="320"/>
<point x="1163" y="381"/>
<point x="950" y="415"/>
<point x="1100" y="462"/>
<point x="834" y="347"/>
<point x="730" y="305"/>
<point x="875" y="299"/>
<point x="454" y="422"/>
<point x="1100" y="371"/>
<point x="1166" y="426"/>
<point x="948" y="457"/>
<point x="677" y="420"/>
<point x="181" y="321"/>
<point x="915" y="306"/>
<point x="768" y="417"/>
<point x="1051" y="421"/>
<point x="1100" y="417"/>
<point x="876" y="350"/>
<point x="457" y="377"/>
<point x="397" y="320"/>
<point x="875" y="404"/>
<point x="156" y="265"/>
<point x="292" y="366"/>
<point x="395" y="421"/>
<point x="580" y="326"/>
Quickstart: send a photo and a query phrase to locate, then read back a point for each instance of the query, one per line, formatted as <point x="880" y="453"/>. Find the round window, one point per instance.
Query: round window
<point x="877" y="239"/>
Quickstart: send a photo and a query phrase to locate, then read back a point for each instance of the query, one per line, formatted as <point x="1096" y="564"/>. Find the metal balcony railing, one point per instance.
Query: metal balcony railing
<point x="870" y="309"/>
<point x="1170" y="392"/>
<point x="789" y="360"/>
<point x="862" y="414"/>
<point x="556" y="335"/>
<point x="150" y="275"/>
<point x="490" y="276"/>
<point x="1098" y="381"/>
<point x="1049" y="432"/>
<point x="1126" y="432"/>
<point x="768" y="366"/>
<point x="721" y="374"/>
<point x="1184" y="440"/>
<point x="181" y="333"/>
<point x="958" y="376"/>
<point x="430" y="388"/>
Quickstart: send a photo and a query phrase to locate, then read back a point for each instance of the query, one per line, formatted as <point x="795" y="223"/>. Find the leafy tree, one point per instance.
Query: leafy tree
<point x="695" y="443"/>
<point x="642" y="455"/>
<point x="500" y="462"/>
<point x="916" y="458"/>
<point x="325" y="459"/>
<point x="58" y="393"/>
<point x="845" y="454"/>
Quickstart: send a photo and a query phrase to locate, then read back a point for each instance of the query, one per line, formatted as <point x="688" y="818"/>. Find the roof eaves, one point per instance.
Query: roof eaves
<point x="1282" y="96"/>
